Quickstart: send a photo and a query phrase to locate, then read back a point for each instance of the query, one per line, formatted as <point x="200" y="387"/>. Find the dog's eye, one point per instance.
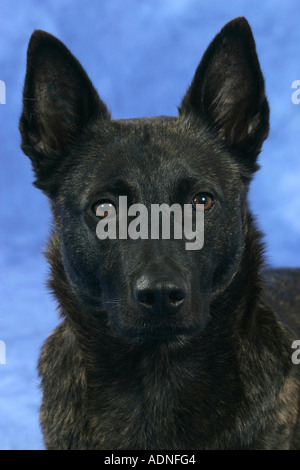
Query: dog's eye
<point x="103" y="209"/>
<point x="203" y="198"/>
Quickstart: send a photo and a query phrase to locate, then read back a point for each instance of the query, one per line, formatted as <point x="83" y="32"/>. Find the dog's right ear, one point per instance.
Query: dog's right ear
<point x="228" y="93"/>
<point x="59" y="102"/>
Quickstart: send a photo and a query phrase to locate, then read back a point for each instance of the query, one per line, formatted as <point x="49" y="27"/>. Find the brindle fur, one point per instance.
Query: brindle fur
<point x="221" y="375"/>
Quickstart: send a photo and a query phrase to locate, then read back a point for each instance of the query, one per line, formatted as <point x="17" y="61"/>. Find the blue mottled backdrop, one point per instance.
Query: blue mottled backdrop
<point x="141" y="56"/>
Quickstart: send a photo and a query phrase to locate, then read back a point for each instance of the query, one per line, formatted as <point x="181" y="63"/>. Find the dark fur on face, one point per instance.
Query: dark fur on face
<point x="160" y="347"/>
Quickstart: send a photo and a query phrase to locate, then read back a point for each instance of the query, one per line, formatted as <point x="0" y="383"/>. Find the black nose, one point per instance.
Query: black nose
<point x="159" y="294"/>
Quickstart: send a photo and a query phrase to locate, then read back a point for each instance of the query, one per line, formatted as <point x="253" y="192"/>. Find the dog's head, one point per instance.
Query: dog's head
<point x="205" y="157"/>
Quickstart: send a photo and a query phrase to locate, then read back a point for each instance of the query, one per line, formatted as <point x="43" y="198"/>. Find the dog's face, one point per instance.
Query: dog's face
<point x="84" y="161"/>
<point x="148" y="283"/>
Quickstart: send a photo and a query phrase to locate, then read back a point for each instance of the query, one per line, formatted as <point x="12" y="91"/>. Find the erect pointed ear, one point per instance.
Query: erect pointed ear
<point x="227" y="92"/>
<point x="59" y="102"/>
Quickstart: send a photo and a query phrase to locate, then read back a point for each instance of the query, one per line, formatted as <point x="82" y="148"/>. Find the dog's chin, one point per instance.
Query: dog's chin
<point x="147" y="333"/>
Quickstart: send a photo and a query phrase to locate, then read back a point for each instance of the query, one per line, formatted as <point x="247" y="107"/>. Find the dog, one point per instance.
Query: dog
<point x="160" y="347"/>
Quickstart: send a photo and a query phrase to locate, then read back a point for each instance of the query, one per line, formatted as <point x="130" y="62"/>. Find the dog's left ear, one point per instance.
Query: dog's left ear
<point x="59" y="105"/>
<point x="228" y="94"/>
